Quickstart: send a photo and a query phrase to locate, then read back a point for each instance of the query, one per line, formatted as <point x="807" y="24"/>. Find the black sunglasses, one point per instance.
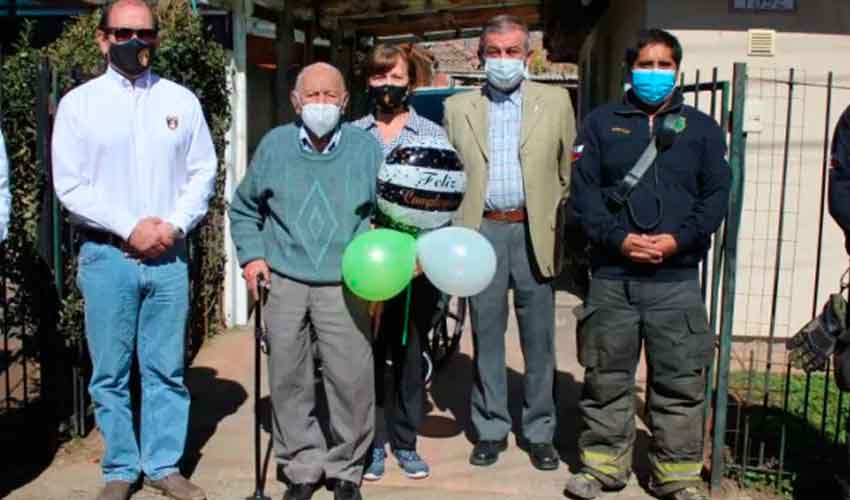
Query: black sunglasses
<point x="125" y="34"/>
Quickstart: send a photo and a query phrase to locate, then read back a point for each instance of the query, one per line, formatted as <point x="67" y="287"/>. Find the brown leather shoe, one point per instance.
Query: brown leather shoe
<point x="115" y="490"/>
<point x="177" y="487"/>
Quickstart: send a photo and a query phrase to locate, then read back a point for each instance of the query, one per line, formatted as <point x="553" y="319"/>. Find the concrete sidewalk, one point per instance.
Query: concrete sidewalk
<point x="219" y="453"/>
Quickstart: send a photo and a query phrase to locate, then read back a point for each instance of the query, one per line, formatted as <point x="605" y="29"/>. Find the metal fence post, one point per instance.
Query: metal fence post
<point x="717" y="250"/>
<point x="5" y="327"/>
<point x="779" y="235"/>
<point x="733" y="220"/>
<point x="58" y="269"/>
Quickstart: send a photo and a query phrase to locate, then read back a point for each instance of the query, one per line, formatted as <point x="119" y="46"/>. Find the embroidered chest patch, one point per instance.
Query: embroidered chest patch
<point x="172" y="122"/>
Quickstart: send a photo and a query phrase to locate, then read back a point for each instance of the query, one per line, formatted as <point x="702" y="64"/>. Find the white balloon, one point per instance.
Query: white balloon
<point x="457" y="260"/>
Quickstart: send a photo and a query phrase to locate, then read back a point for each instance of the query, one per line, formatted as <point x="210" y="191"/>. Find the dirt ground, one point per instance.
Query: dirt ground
<point x="219" y="452"/>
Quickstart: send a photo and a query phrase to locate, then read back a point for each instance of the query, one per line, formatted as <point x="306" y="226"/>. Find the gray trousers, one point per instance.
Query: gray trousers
<point x="670" y="321"/>
<point x="534" y="305"/>
<point x="341" y="323"/>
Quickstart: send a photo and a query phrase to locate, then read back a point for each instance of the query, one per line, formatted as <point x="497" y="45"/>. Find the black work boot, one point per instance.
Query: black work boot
<point x="584" y="486"/>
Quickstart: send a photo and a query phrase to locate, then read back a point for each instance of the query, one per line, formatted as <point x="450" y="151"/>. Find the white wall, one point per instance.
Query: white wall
<point x="235" y="294"/>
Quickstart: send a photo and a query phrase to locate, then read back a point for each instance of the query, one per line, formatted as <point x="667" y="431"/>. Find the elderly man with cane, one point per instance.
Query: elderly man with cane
<point x="310" y="190"/>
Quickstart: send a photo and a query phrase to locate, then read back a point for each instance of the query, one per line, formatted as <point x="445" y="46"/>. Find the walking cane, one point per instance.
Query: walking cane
<point x="259" y="345"/>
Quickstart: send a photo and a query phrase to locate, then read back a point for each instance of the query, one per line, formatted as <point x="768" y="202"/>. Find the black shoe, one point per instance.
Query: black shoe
<point x="299" y="491"/>
<point x="487" y="452"/>
<point x="346" y="490"/>
<point x="543" y="456"/>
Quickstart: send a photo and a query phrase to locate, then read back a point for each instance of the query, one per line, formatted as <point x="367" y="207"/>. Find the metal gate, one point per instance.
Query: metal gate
<point x="42" y="371"/>
<point x="774" y="262"/>
<point x="790" y="428"/>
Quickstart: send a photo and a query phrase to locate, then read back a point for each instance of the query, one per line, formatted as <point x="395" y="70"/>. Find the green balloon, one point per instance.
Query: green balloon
<point x="378" y="264"/>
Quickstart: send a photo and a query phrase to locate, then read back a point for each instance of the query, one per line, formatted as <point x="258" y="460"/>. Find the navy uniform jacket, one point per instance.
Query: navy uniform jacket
<point x="685" y="193"/>
<point x="839" y="176"/>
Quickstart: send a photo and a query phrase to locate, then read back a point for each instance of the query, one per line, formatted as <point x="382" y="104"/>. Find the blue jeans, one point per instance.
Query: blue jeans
<point x="134" y="307"/>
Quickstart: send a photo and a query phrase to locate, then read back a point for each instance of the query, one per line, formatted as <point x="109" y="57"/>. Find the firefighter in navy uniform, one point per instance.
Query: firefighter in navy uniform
<point x="839" y="209"/>
<point x="650" y="186"/>
<point x="839" y="176"/>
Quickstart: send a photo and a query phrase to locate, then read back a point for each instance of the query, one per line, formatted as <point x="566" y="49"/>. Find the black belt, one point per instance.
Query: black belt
<point x="102" y="237"/>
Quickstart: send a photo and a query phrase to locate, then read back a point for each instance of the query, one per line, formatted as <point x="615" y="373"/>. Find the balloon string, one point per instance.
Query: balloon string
<point x="406" y="314"/>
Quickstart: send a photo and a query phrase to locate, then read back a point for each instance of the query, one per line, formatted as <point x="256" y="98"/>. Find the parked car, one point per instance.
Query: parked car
<point x="428" y="101"/>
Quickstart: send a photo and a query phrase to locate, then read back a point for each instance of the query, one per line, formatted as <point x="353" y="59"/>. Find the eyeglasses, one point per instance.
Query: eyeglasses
<point x="125" y="34"/>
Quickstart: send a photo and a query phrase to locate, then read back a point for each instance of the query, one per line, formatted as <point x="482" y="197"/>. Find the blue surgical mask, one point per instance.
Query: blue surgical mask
<point x="503" y="73"/>
<point x="652" y="86"/>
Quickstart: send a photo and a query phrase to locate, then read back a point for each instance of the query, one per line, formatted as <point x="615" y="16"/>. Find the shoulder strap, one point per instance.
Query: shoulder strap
<point x="666" y="134"/>
<point x="620" y="194"/>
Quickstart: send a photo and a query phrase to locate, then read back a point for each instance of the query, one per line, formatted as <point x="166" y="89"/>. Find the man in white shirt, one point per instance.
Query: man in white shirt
<point x="134" y="164"/>
<point x="5" y="195"/>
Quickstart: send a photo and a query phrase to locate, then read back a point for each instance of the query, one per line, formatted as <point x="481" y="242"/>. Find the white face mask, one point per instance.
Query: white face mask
<point x="503" y="73"/>
<point x="321" y="119"/>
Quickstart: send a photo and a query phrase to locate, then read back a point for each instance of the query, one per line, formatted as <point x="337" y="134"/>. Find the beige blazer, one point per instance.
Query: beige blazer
<point x="547" y="134"/>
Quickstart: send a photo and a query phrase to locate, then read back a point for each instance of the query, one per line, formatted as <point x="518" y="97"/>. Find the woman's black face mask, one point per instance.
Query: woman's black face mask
<point x="388" y="98"/>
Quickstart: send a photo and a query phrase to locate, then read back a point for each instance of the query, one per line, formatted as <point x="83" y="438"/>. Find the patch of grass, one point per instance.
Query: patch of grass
<point x="813" y="405"/>
<point x="800" y="430"/>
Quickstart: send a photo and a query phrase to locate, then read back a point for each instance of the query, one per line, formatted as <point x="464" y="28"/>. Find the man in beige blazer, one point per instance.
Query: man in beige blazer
<point x="515" y="139"/>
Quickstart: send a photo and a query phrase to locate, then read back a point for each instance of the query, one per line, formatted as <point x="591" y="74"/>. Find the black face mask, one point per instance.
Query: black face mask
<point x="131" y="58"/>
<point x="388" y="98"/>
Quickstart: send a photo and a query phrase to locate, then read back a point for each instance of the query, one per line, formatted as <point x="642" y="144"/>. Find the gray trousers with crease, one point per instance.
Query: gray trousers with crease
<point x="534" y="304"/>
<point x="341" y="323"/>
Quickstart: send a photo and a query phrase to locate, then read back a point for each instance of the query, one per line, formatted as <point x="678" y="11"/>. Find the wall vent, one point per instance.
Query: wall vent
<point x="761" y="43"/>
